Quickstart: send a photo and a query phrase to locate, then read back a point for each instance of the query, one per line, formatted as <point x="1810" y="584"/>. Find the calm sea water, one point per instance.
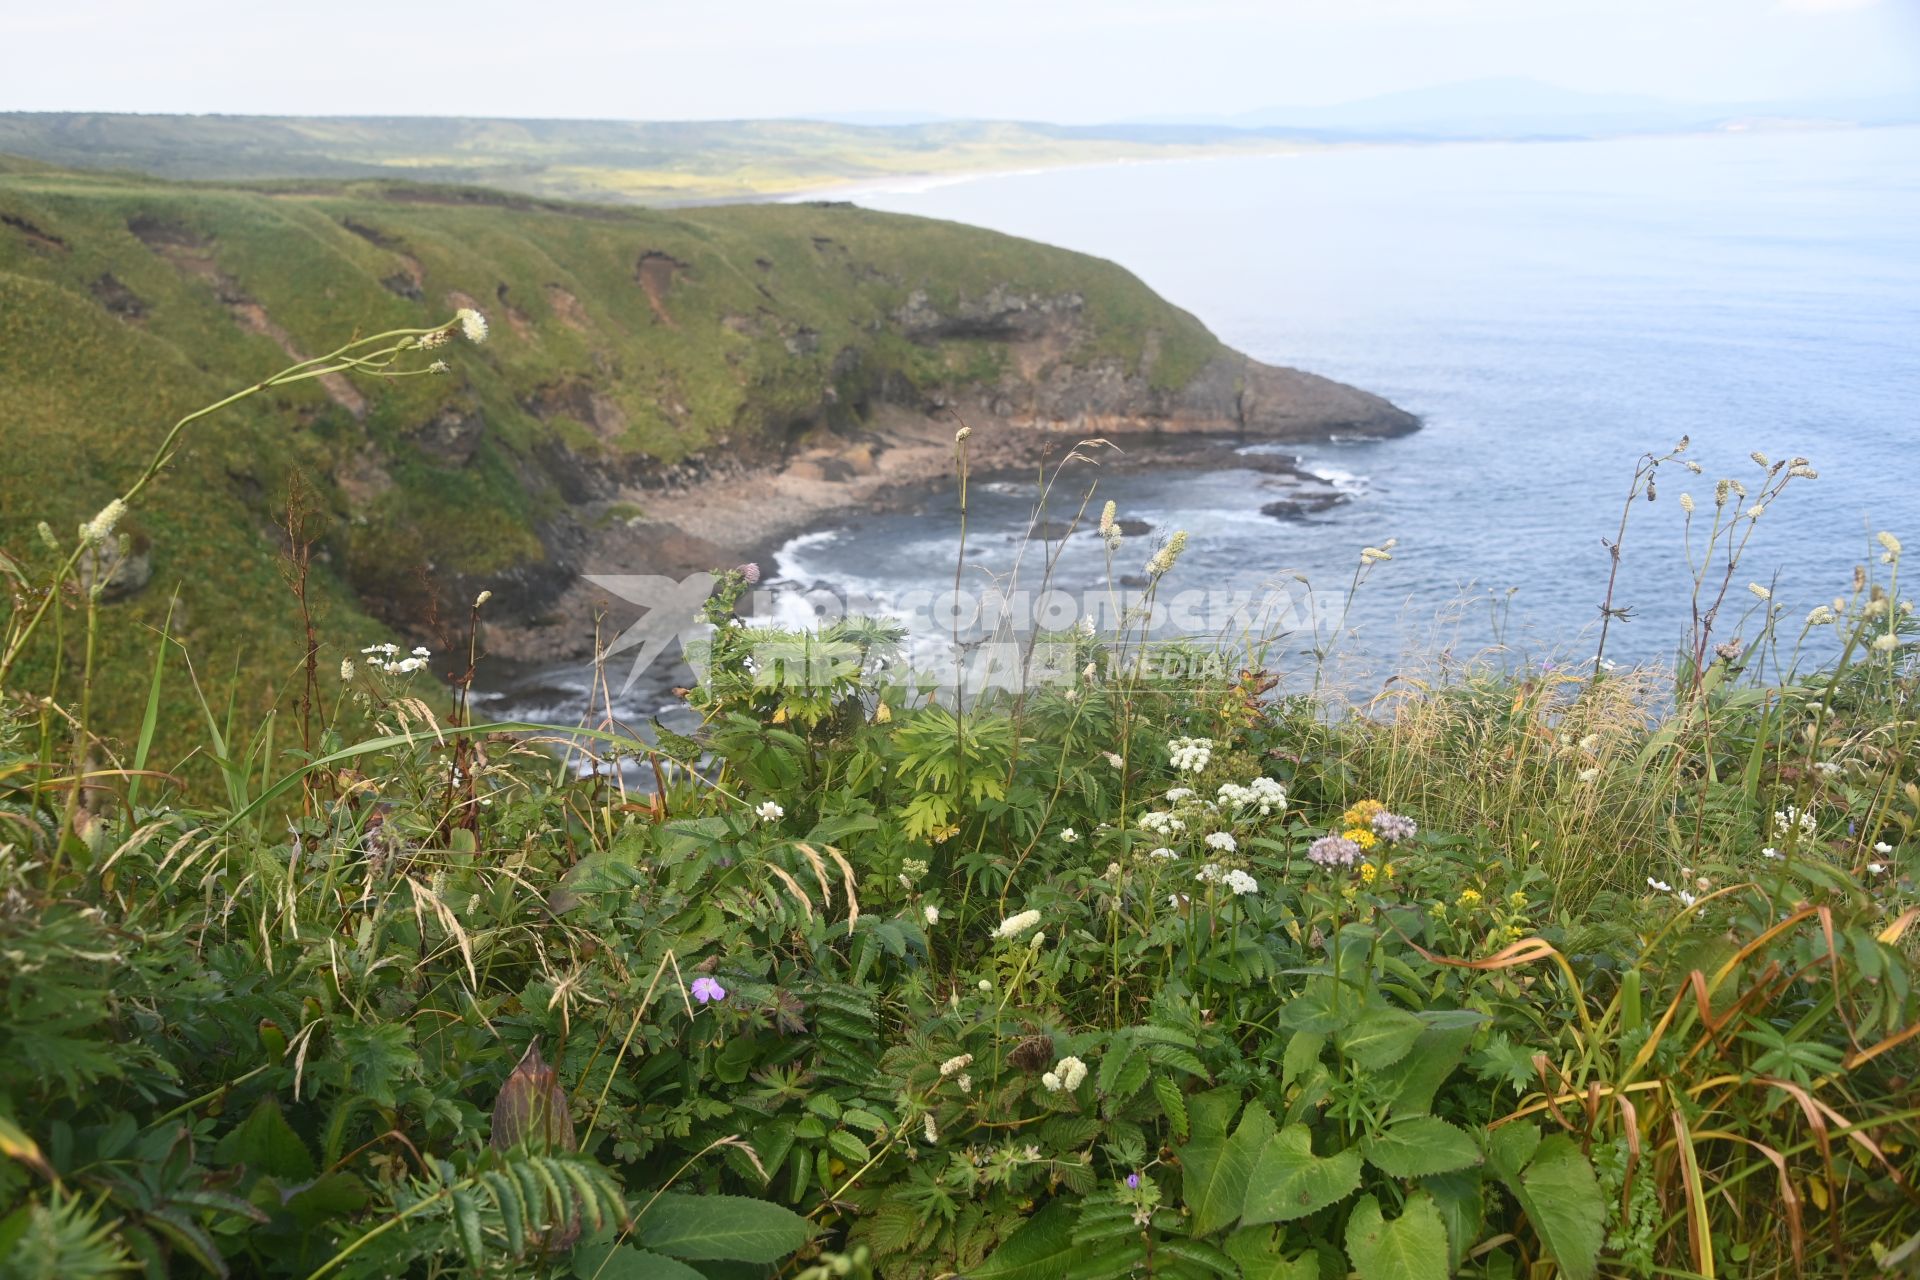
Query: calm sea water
<point x="1552" y="311"/>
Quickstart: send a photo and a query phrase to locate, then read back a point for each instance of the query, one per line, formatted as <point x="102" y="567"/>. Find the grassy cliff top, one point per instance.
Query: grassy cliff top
<point x="624" y="340"/>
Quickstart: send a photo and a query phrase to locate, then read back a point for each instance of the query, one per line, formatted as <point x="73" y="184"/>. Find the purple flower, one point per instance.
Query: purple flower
<point x="1393" y="828"/>
<point x="707" y="989"/>
<point x="1133" y="1182"/>
<point x="1333" y="851"/>
<point x="749" y="571"/>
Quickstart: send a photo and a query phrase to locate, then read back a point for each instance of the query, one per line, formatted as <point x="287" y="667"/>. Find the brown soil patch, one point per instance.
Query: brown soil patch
<point x="192" y="255"/>
<point x="567" y="308"/>
<point x="655" y="273"/>
<point x="114" y="295"/>
<point x="35" y="236"/>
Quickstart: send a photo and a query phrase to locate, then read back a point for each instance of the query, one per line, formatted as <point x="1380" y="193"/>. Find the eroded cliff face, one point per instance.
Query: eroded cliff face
<point x="1050" y="382"/>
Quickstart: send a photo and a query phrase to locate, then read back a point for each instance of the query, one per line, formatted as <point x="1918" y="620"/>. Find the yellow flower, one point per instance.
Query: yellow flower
<point x="1361" y="815"/>
<point x="1362" y="837"/>
<point x="1517" y="900"/>
<point x="1367" y="872"/>
<point x="1469" y="898"/>
<point x="1388" y="868"/>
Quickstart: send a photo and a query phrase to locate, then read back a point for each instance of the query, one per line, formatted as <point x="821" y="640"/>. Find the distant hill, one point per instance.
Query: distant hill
<point x="658" y="163"/>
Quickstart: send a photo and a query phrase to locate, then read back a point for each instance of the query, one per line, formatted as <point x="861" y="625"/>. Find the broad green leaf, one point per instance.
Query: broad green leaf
<point x="1257" y="1250"/>
<point x="1302" y="1053"/>
<point x="1411" y="1247"/>
<point x="1290" y="1182"/>
<point x="1458" y="1197"/>
<point x="737" y="1228"/>
<point x="1563" y="1202"/>
<point x="1219" y="1171"/>
<point x="624" y="1262"/>
<point x="266" y="1143"/>
<point x="1421" y="1145"/>
<point x="1411" y="1082"/>
<point x="1312" y="1009"/>
<point x="1510" y="1147"/>
<point x="1381" y="1036"/>
<point x="1042" y="1248"/>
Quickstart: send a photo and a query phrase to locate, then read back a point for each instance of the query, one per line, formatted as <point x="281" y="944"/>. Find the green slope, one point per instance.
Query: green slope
<point x="624" y="341"/>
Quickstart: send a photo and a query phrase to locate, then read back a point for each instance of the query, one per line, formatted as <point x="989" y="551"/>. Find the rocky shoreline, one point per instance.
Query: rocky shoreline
<point x="742" y="513"/>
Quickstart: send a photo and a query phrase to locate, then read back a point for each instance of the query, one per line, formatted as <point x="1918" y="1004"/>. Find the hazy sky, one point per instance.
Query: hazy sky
<point x="1066" y="60"/>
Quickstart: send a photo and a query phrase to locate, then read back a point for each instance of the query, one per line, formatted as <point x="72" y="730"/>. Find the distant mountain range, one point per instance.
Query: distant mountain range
<point x="1518" y="107"/>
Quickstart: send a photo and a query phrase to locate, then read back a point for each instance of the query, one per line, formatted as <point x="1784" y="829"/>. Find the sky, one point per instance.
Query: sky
<point x="1071" y="61"/>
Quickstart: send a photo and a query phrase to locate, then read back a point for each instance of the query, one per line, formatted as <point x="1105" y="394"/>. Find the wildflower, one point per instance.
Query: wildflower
<point x="101" y="527"/>
<point x="1163" y="560"/>
<point x="438" y="338"/>
<point x="1367" y="872"/>
<point x="1760" y="592"/>
<point x="1820" y="616"/>
<point x="769" y="811"/>
<point x="1164" y="854"/>
<point x="1876" y="867"/>
<point x="931" y="913"/>
<point x="1333" y="851"/>
<point x="1190" y="755"/>
<point x="1361" y="813"/>
<point x="962" y="435"/>
<point x="1885" y="642"/>
<point x="1362" y="836"/>
<point x="985" y="984"/>
<point x="929" y="1129"/>
<point x="1115" y="759"/>
<point x="1109" y="527"/>
<point x="1659" y="886"/>
<point x="1892" y="545"/>
<point x="1068" y="835"/>
<point x="1161" y="823"/>
<point x="1178" y="901"/>
<point x="707" y="989"/>
<point x="955" y="1065"/>
<point x="1770" y="853"/>
<point x="1067" y="1075"/>
<point x="1469" y="898"/>
<point x="1755" y="511"/>
<point x="1015" y="925"/>
<point x="1133" y="1182"/>
<point x="45" y="531"/>
<point x="1760" y="459"/>
<point x="439" y="366"/>
<point x="1373" y="555"/>
<point x="421" y="651"/>
<point x="482" y="598"/>
<point x="1242" y="884"/>
<point x="346" y="668"/>
<point x="473" y="325"/>
<point x="1392" y="827"/>
<point x="1686" y="503"/>
<point x="1178" y="794"/>
<point x="1694" y="467"/>
<point x="1686" y="899"/>
<point x="1882" y="847"/>
<point x="965" y="1083"/>
<point x="1517" y="900"/>
<point x="1827" y="767"/>
<point x="1804" y="472"/>
<point x="1788" y="820"/>
<point x="1588" y="774"/>
<point x="1721" y="488"/>
<point x="1223" y="841"/>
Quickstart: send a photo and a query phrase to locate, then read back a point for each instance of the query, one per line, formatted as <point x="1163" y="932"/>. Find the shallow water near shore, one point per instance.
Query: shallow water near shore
<point x="1551" y="310"/>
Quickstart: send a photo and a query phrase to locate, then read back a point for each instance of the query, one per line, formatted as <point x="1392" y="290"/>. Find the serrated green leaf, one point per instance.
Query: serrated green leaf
<point x="721" y="1228"/>
<point x="624" y="1262"/>
<point x="1173" y="1104"/>
<point x="1410" y="1083"/>
<point x="266" y="1143"/>
<point x="1563" y="1202"/>
<point x="1257" y="1250"/>
<point x="1381" y="1036"/>
<point x="848" y="1147"/>
<point x="1457" y="1197"/>
<point x="466" y="1219"/>
<point x="1411" y="1247"/>
<point x="1290" y="1182"/>
<point x="1219" y="1170"/>
<point x="1421" y="1145"/>
<point x="1041" y="1248"/>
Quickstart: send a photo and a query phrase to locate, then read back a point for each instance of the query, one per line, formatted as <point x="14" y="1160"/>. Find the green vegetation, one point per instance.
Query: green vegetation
<point x="624" y="341"/>
<point x="1574" y="973"/>
<point x="601" y="160"/>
